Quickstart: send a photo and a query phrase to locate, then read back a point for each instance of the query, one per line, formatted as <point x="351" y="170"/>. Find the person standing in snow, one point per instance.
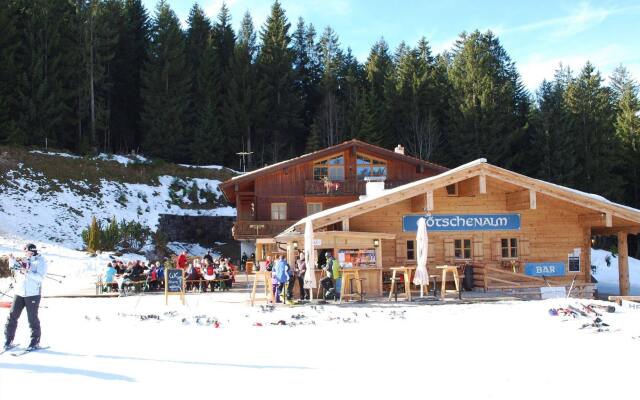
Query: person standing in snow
<point x="28" y="274"/>
<point x="280" y="275"/>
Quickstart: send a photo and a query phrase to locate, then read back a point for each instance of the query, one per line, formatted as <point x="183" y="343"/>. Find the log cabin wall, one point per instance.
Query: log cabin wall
<point x="548" y="233"/>
<point x="287" y="185"/>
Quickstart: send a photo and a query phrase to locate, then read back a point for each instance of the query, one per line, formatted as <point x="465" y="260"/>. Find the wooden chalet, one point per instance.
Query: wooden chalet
<point x="270" y="199"/>
<point x="516" y="232"/>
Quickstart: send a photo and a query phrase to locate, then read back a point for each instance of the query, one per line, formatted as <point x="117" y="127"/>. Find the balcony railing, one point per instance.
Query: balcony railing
<point x="342" y="188"/>
<point x="259" y="229"/>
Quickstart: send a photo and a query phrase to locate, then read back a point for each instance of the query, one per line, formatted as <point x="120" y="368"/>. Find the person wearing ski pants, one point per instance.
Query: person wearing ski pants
<point x="28" y="273"/>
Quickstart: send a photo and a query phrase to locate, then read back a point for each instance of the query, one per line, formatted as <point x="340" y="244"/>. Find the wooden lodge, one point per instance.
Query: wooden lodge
<point x="515" y="232"/>
<point x="271" y="199"/>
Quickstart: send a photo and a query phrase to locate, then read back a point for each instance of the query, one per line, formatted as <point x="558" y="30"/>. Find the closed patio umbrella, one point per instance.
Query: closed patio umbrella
<point x="310" y="257"/>
<point x="421" y="277"/>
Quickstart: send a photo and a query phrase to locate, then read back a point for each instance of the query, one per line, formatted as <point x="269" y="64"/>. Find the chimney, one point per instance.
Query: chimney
<point x="399" y="149"/>
<point x="374" y="185"/>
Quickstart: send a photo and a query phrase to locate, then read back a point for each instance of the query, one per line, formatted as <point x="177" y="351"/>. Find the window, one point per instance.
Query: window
<point x="278" y="211"/>
<point x="313" y="208"/>
<point x="452" y="190"/>
<point x="462" y="248"/>
<point x="509" y="248"/>
<point x="411" y="251"/>
<point x="331" y="168"/>
<point x="368" y="166"/>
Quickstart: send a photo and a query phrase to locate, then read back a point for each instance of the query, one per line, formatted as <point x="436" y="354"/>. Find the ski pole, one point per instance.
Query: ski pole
<point x="53" y="279"/>
<point x="60" y="276"/>
<point x="4" y="294"/>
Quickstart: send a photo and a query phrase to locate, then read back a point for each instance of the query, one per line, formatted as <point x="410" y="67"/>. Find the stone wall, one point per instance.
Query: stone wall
<point x="203" y="230"/>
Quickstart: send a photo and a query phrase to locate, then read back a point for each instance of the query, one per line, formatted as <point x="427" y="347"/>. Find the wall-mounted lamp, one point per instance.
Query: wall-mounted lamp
<point x="376" y="243"/>
<point x="295" y="244"/>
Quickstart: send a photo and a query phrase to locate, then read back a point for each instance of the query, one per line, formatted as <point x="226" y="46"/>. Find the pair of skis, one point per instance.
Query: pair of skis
<point x="23" y="351"/>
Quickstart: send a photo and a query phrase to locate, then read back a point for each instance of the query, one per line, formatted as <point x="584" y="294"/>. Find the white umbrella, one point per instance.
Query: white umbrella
<point x="422" y="276"/>
<point x="310" y="257"/>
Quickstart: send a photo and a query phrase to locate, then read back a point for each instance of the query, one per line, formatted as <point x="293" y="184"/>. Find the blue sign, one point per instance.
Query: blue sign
<point x="544" y="268"/>
<point x="464" y="222"/>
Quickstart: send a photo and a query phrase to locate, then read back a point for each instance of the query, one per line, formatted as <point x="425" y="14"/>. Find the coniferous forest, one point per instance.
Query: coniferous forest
<point x="111" y="76"/>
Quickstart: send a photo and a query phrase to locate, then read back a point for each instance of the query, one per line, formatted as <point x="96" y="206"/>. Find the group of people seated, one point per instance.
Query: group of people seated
<point x="200" y="273"/>
<point x="207" y="272"/>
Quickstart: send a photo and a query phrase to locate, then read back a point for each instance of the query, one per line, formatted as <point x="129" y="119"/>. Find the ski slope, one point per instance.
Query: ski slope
<point x="106" y="348"/>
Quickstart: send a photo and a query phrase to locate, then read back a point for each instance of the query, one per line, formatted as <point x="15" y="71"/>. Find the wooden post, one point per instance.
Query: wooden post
<point x="532" y="200"/>
<point x="429" y="201"/>
<point x="623" y="263"/>
<point x="483" y="184"/>
<point x="586" y="256"/>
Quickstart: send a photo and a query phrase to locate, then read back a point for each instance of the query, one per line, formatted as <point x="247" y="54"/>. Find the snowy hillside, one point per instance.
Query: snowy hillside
<point x="51" y="197"/>
<point x="607" y="275"/>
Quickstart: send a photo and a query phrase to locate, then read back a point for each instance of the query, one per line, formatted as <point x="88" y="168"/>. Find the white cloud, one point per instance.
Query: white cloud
<point x="538" y="67"/>
<point x="581" y="19"/>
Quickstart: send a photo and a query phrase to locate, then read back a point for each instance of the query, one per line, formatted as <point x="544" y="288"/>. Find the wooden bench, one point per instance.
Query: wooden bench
<point x="111" y="287"/>
<point x="201" y="284"/>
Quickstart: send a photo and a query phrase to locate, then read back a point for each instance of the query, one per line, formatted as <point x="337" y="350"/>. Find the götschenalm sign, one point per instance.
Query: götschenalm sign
<point x="464" y="222"/>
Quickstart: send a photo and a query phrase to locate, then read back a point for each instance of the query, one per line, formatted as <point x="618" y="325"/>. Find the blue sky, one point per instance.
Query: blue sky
<point x="538" y="35"/>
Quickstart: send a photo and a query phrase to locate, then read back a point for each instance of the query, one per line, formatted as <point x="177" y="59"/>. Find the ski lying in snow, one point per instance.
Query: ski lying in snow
<point x="29" y="350"/>
<point x="13" y="346"/>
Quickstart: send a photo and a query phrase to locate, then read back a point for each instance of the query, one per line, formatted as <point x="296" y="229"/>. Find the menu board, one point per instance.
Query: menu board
<point x="574" y="263"/>
<point x="175" y="280"/>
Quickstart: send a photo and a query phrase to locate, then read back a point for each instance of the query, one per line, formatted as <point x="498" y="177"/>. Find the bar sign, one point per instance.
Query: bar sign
<point x="544" y="268"/>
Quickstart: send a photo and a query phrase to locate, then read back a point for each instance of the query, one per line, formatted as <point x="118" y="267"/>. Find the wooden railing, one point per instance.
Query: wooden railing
<point x="259" y="229"/>
<point x="343" y="188"/>
<point x="489" y="277"/>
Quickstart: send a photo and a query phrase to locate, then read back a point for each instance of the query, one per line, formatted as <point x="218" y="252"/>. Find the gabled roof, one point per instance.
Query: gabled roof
<point x="370" y="148"/>
<point x="463" y="172"/>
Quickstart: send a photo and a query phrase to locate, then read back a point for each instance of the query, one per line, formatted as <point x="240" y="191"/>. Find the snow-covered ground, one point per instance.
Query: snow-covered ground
<point x="607" y="275"/>
<point x="106" y="348"/>
<point x="37" y="209"/>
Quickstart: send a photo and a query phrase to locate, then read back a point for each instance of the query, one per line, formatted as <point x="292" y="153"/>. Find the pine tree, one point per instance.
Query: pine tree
<point x="627" y="127"/>
<point x="9" y="39"/>
<point x="282" y="123"/>
<point x="379" y="71"/>
<point x="328" y="118"/>
<point x="484" y="113"/>
<point x="552" y="155"/>
<point x="307" y="67"/>
<point x="591" y="109"/>
<point x="93" y="241"/>
<point x="244" y="103"/>
<point x="131" y="55"/>
<point x="45" y="69"/>
<point x="202" y="127"/>
<point x="166" y="87"/>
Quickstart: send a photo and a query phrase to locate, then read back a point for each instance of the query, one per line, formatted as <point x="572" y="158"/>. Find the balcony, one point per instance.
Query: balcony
<point x="343" y="188"/>
<point x="259" y="229"/>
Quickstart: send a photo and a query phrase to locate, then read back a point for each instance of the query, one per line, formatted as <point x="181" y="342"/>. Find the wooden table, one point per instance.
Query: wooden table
<point x="265" y="277"/>
<point x="349" y="275"/>
<point x="456" y="279"/>
<point x="406" y="271"/>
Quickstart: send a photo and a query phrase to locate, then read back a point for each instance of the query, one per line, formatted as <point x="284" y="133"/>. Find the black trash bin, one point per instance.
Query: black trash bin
<point x="467" y="283"/>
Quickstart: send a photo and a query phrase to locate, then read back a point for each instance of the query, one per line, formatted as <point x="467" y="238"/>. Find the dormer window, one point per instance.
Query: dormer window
<point x="329" y="168"/>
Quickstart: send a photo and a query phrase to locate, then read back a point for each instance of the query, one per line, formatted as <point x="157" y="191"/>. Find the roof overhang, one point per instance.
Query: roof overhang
<point x="478" y="167"/>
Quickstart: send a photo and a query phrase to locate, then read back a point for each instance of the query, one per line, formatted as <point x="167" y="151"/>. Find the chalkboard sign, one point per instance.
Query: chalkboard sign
<point x="173" y="284"/>
<point x="574" y="263"/>
<point x="175" y="280"/>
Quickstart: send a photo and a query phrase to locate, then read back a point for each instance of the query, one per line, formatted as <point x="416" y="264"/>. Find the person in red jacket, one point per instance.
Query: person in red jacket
<point x="182" y="260"/>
